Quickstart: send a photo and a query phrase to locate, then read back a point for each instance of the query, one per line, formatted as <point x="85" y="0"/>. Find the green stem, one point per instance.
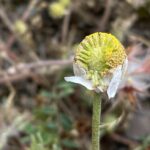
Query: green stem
<point x="96" y="123"/>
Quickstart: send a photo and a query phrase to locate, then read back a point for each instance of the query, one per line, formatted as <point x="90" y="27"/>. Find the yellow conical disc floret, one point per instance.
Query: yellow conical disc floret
<point x="98" y="54"/>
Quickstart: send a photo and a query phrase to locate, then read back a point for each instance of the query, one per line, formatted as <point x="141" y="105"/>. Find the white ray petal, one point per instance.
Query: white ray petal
<point x="114" y="83"/>
<point x="78" y="71"/>
<point x="80" y="80"/>
<point x="124" y="67"/>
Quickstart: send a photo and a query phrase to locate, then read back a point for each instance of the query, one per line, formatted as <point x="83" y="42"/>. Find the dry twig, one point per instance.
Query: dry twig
<point x="22" y="71"/>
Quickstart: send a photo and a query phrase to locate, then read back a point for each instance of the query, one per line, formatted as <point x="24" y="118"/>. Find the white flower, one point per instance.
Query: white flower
<point x="100" y="65"/>
<point x="111" y="83"/>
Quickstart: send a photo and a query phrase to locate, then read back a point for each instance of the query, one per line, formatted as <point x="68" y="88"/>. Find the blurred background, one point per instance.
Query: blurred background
<point x="38" y="109"/>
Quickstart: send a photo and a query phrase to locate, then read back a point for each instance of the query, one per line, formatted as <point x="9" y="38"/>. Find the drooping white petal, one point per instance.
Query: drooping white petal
<point x="115" y="81"/>
<point x="78" y="71"/>
<point x="124" y="78"/>
<point x="80" y="80"/>
<point x="124" y="67"/>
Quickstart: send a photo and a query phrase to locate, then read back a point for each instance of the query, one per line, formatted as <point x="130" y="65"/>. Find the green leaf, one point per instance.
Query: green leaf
<point x="52" y="126"/>
<point x="65" y="89"/>
<point x="69" y="143"/>
<point x="29" y="128"/>
<point x="65" y="121"/>
<point x="37" y="142"/>
<point x="44" y="112"/>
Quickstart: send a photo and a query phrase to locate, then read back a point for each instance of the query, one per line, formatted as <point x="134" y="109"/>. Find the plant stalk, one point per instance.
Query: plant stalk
<point x="96" y="123"/>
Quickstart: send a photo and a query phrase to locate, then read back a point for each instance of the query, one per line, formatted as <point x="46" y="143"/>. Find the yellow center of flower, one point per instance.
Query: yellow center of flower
<point x="98" y="54"/>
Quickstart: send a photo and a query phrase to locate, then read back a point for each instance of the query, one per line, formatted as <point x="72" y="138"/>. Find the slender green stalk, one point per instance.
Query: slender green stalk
<point x="96" y="123"/>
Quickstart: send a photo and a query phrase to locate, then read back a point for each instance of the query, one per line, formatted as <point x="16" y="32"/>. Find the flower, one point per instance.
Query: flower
<point x="100" y="63"/>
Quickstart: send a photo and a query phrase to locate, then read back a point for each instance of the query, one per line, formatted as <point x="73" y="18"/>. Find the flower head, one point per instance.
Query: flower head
<point x="100" y="63"/>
